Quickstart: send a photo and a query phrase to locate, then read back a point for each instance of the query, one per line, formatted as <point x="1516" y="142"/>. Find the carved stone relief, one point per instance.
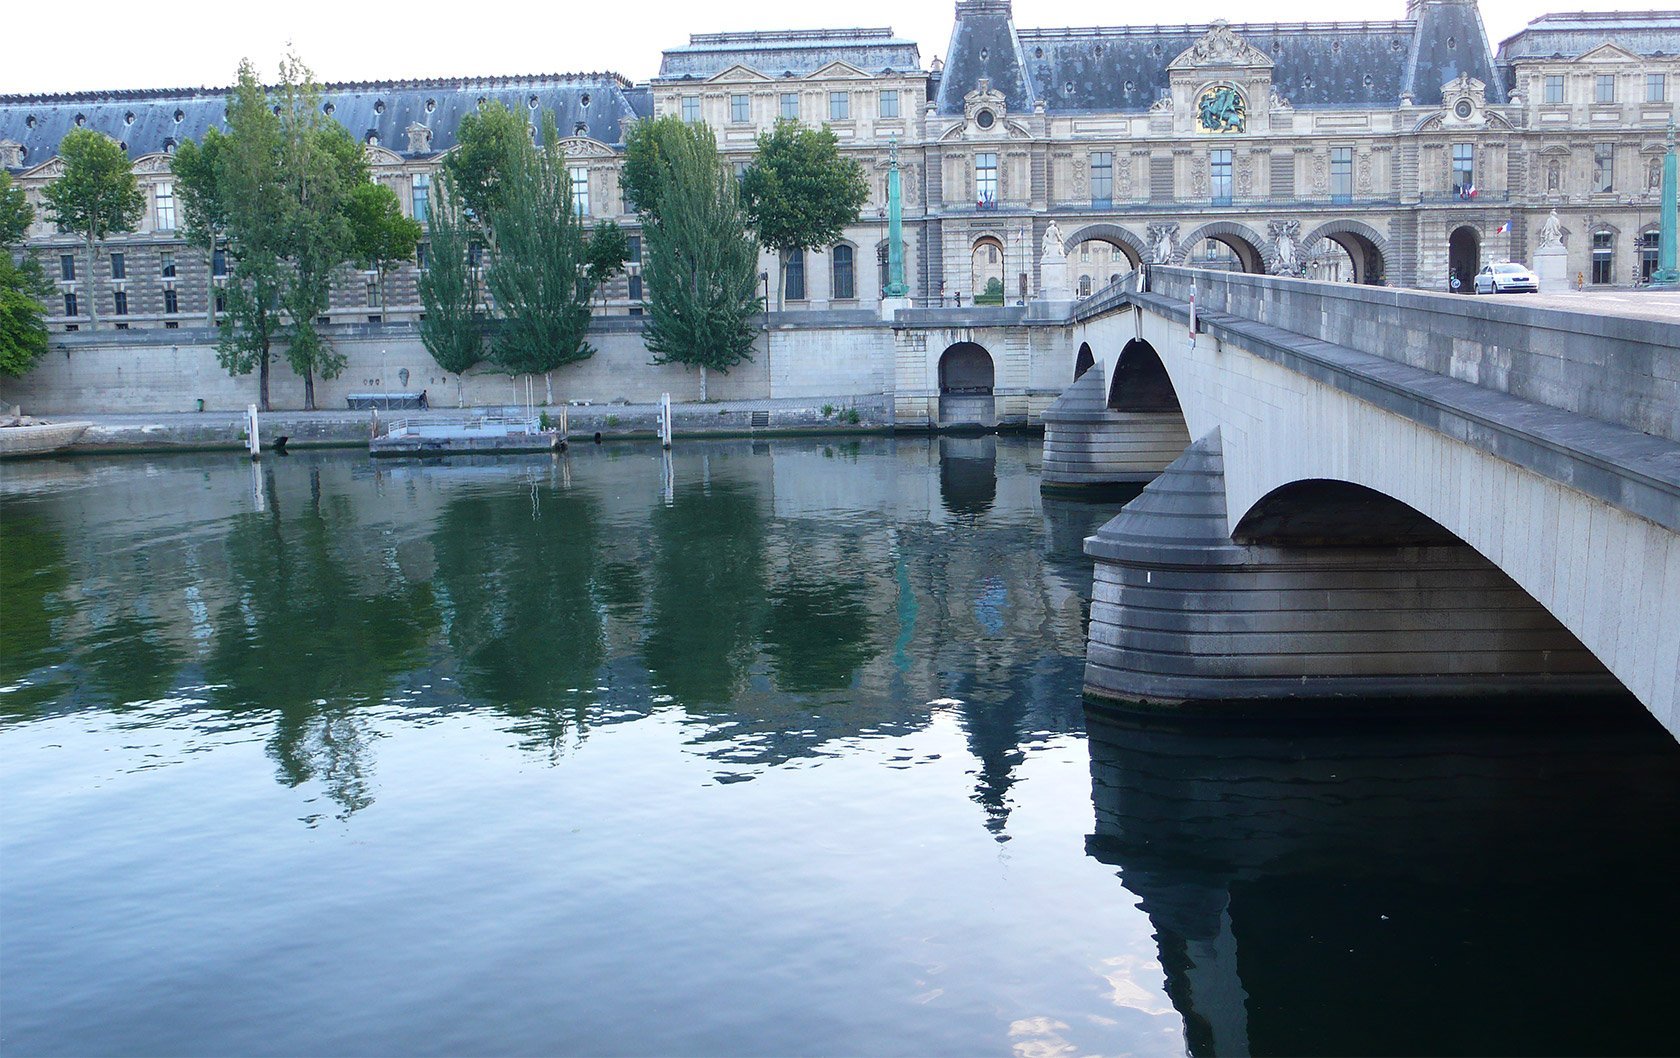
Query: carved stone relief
<point x="1163" y="239"/>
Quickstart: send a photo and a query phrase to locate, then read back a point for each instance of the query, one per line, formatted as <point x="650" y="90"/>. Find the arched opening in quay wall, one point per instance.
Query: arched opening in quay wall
<point x="967" y="377"/>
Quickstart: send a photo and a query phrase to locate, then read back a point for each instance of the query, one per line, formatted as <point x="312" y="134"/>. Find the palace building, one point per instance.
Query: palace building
<point x="1399" y="152"/>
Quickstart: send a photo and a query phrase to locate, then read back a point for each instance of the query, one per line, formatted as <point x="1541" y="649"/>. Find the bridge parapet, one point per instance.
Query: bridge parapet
<point x="1617" y="369"/>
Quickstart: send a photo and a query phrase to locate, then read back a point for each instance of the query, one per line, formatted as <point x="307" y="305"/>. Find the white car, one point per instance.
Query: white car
<point x="1506" y="277"/>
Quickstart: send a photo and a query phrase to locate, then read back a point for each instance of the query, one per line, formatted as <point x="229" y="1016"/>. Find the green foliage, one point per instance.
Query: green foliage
<point x="97" y="196"/>
<point x="609" y="248"/>
<point x="16" y="214"/>
<point x="852" y="416"/>
<point x="379" y="233"/>
<point x="23" y="328"/>
<point x="827" y="410"/>
<point x="491" y="144"/>
<point x="702" y="266"/>
<point x="993" y="294"/>
<point x="800" y="193"/>
<point x="540" y="275"/>
<point x="198" y="188"/>
<point x="647" y="162"/>
<point x="453" y="329"/>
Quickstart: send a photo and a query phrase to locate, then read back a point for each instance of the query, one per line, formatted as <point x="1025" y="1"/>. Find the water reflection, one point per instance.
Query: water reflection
<point x="1458" y="885"/>
<point x="781" y="596"/>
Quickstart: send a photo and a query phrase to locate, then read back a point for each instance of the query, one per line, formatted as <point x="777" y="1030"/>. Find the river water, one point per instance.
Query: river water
<point x="774" y="749"/>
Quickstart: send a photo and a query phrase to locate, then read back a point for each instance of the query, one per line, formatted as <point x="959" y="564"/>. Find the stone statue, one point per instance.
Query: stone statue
<point x="1286" y="256"/>
<point x="1161" y="237"/>
<point x="1551" y="232"/>
<point x="1053" y="241"/>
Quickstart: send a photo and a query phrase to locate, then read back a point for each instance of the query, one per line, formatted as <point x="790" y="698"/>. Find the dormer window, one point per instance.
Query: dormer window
<point x="985" y="119"/>
<point x="431" y="105"/>
<point x="327" y="109"/>
<point x="128" y="118"/>
<point x="180" y="116"/>
<point x="379" y="106"/>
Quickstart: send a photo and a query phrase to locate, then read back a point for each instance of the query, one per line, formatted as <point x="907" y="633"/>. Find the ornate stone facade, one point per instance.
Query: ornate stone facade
<point x="1374" y="151"/>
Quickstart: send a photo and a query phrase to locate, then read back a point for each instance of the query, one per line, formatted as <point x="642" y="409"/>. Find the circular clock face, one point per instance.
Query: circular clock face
<point x="984" y="119"/>
<point x="1463" y="108"/>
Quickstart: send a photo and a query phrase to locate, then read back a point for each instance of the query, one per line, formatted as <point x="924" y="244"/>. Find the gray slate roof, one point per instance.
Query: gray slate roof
<point x="1568" y="35"/>
<point x="1315" y="64"/>
<point x="798" y="52"/>
<point x="150" y="121"/>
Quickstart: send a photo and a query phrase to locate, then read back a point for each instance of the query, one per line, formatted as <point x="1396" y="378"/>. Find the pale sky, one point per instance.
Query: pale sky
<point x="100" y="44"/>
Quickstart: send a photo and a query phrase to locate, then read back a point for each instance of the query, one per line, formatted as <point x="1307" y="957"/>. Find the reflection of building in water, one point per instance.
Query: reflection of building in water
<point x="791" y="593"/>
<point x="1319" y="891"/>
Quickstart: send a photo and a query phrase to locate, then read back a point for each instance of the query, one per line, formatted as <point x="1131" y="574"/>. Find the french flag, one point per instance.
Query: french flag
<point x="1503" y="229"/>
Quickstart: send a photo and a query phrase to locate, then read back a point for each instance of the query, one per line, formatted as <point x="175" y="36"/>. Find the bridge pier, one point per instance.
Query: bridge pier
<point x="1087" y="443"/>
<point x="1183" y="612"/>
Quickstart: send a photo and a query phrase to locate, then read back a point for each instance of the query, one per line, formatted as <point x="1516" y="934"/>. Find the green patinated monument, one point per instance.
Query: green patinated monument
<point x="896" y="286"/>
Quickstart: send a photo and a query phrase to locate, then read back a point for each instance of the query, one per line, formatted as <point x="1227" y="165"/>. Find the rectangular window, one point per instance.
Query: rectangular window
<point x="1464" y="170"/>
<point x="1650" y="246"/>
<point x="218" y="262"/>
<point x="691" y="108"/>
<point x="373" y="293"/>
<point x="580" y="190"/>
<point x="740" y="170"/>
<point x="70" y="304"/>
<point x="845" y="273"/>
<point x="67" y="268"/>
<point x="1603" y="258"/>
<point x="1656" y="88"/>
<point x="635" y="288"/>
<point x="422" y="251"/>
<point x="634" y="242"/>
<point x="422" y="192"/>
<point x="171" y="305"/>
<point x="1219" y="164"/>
<point x="171" y="325"/>
<point x="121" y="300"/>
<point x="1604" y="168"/>
<point x="1604" y="88"/>
<point x="839" y="106"/>
<point x="475" y="254"/>
<point x="1102" y="178"/>
<point x="790" y="105"/>
<point x="1554" y="88"/>
<point x="221" y="301"/>
<point x="985" y="180"/>
<point x="167" y="266"/>
<point x="740" y="108"/>
<point x="1341" y="174"/>
<point x="165" y="207"/>
<point x="793" y="285"/>
<point x="119" y="267"/>
<point x="889" y="103"/>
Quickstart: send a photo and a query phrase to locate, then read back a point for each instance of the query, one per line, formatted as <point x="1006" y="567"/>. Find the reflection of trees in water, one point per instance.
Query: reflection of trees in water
<point x="818" y="632"/>
<point x="34" y="575"/>
<point x="707" y="588"/>
<point x="518" y="571"/>
<point x="303" y="635"/>
<point x="1489" y="885"/>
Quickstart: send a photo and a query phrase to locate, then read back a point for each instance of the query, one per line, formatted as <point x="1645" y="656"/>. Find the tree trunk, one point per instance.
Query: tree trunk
<point x="702" y="383"/>
<point x="309" y="389"/>
<point x="210" y="289"/>
<point x="548" y="385"/>
<point x="92" y="289"/>
<point x="262" y="378"/>
<point x="781" y="280"/>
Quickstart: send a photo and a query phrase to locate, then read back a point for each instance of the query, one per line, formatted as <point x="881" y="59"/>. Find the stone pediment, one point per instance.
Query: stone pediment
<point x="738" y="74"/>
<point x="50" y="169"/>
<point x="1222" y="49"/>
<point x="382" y="155"/>
<point x="985" y="98"/>
<point x="1608" y="52"/>
<point x="836" y="69"/>
<point x="151" y="163"/>
<point x="584" y="147"/>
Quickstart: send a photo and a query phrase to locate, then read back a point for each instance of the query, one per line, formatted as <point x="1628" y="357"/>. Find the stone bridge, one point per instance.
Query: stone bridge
<point x="1364" y="491"/>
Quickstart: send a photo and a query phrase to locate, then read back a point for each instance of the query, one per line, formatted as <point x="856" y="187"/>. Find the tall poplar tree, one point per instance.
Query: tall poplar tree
<point x="702" y="266"/>
<point x="452" y="328"/>
<point x="198" y="189"/>
<point x="96" y="197"/>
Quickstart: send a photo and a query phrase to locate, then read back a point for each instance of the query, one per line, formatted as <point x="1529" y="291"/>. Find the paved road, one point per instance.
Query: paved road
<point x="1643" y="304"/>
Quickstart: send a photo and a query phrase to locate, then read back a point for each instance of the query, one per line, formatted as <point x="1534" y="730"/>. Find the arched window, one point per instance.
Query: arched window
<point x="1650" y="248"/>
<point x="882" y="256"/>
<point x="1084" y="286"/>
<point x="793" y="283"/>
<point x="845" y="273"/>
<point x="1603" y="257"/>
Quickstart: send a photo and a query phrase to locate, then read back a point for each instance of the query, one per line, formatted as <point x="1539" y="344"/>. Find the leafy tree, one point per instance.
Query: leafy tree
<point x="646" y="162"/>
<point x="800" y="193"/>
<point x="23" y="287"/>
<point x="96" y="197"/>
<point x="609" y="248"/>
<point x="702" y="266"/>
<point x="379" y="233"/>
<point x="452" y="328"/>
<point x="198" y="189"/>
<point x="540" y="275"/>
<point x="992" y="295"/>
<point x="23" y="310"/>
<point x="491" y="144"/>
<point x="16" y="214"/>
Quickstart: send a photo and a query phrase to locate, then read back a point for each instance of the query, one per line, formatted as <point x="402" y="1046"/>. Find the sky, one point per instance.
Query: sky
<point x="103" y="44"/>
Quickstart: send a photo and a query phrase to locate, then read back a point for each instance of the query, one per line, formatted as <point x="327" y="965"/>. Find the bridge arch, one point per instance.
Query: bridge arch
<point x="1140" y="382"/>
<point x="1130" y="245"/>
<point x="1464" y="257"/>
<point x="1442" y="583"/>
<point x="966" y="380"/>
<point x="1083" y="361"/>
<point x="1240" y="239"/>
<point x="1368" y="248"/>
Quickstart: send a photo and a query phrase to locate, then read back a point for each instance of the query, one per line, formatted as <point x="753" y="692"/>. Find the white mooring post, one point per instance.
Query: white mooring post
<point x="665" y="419"/>
<point x="252" y="441"/>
